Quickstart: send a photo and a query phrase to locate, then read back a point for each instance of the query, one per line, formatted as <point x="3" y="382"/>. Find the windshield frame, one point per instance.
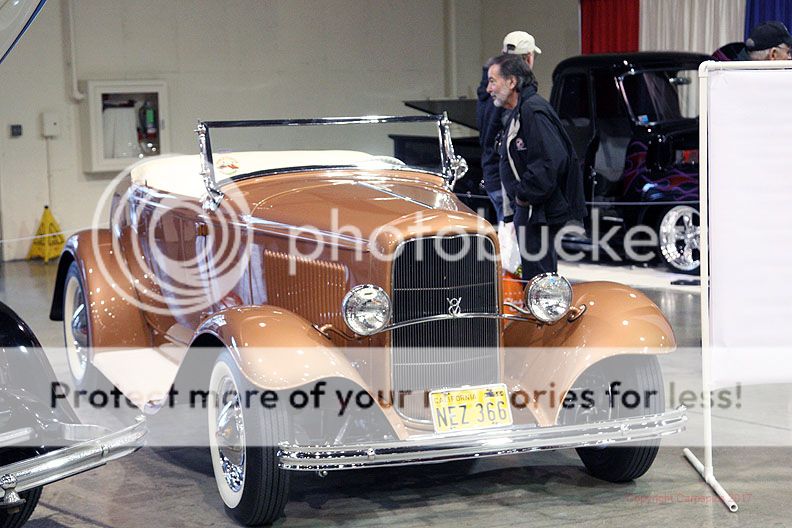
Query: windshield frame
<point x="452" y="166"/>
<point x="634" y="71"/>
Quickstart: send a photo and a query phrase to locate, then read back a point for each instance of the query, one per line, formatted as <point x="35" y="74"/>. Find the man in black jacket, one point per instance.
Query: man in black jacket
<point x="489" y="118"/>
<point x="538" y="167"/>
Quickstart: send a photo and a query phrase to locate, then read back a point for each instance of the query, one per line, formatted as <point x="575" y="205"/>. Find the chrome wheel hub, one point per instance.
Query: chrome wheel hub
<point x="230" y="435"/>
<point x="679" y="234"/>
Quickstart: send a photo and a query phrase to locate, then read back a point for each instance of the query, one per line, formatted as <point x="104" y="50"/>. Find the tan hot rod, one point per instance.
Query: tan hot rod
<point x="348" y="311"/>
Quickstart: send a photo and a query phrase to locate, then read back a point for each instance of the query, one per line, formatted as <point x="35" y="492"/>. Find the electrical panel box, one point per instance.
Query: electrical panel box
<point x="126" y="122"/>
<point x="50" y="124"/>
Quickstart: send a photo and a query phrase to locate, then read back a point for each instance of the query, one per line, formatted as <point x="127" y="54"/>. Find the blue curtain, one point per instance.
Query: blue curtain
<point x="757" y="11"/>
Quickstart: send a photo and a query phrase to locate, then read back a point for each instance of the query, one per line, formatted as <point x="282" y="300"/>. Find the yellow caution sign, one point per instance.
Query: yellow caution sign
<point x="49" y="240"/>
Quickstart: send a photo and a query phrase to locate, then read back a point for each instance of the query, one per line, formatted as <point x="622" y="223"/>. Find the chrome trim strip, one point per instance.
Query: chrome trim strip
<point x="483" y="443"/>
<point x="368" y="185"/>
<point x="16" y="436"/>
<point x="57" y="465"/>
<point x="314" y="168"/>
<point x="468" y="315"/>
<point x="362" y="120"/>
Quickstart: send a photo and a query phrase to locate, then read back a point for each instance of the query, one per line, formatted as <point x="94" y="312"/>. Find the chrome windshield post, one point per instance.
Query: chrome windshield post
<point x="213" y="194"/>
<point x="453" y="166"/>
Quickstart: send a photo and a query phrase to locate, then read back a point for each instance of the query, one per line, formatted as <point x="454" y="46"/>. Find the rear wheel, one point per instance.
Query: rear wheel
<point x="622" y="386"/>
<point x="243" y="442"/>
<point x="678" y="232"/>
<point x="15" y="517"/>
<point x="76" y="333"/>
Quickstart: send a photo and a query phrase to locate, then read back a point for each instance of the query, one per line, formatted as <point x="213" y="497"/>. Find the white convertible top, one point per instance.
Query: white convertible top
<point x="182" y="174"/>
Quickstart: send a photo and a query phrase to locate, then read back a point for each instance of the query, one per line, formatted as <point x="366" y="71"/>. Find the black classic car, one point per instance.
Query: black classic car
<point x="633" y="120"/>
<point x="41" y="443"/>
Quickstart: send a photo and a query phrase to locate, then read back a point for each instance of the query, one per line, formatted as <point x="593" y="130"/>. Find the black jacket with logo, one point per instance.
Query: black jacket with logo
<point x="538" y="164"/>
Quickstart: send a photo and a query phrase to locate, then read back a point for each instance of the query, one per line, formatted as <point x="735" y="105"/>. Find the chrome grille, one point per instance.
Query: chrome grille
<point x="448" y="353"/>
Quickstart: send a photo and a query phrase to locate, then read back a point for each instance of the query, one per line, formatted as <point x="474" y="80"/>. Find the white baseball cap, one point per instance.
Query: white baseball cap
<point x="520" y="43"/>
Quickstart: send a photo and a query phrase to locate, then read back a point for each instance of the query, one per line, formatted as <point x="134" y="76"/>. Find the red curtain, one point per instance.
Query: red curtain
<point x="609" y="25"/>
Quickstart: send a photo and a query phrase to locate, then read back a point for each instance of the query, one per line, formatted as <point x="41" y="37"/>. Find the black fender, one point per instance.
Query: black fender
<point x="26" y="376"/>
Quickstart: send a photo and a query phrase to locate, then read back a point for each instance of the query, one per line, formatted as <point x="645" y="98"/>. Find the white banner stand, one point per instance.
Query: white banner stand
<point x="740" y="122"/>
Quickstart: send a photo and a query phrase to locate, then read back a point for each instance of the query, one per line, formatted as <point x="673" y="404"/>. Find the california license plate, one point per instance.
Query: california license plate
<point x="479" y="407"/>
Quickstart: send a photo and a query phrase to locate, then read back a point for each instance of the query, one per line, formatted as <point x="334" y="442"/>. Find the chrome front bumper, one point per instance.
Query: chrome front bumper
<point x="427" y="449"/>
<point x="91" y="452"/>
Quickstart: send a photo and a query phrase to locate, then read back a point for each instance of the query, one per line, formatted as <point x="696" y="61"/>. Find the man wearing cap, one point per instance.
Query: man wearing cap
<point x="490" y="118"/>
<point x="769" y="41"/>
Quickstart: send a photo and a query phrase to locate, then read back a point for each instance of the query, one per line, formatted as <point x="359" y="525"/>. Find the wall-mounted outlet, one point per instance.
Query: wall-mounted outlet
<point x="50" y="124"/>
<point x="16" y="130"/>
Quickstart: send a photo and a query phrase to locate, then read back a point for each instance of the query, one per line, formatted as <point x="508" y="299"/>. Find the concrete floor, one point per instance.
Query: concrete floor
<point x="174" y="487"/>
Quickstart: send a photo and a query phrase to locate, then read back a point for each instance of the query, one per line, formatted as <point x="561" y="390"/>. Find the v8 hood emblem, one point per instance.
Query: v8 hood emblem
<point x="454" y="307"/>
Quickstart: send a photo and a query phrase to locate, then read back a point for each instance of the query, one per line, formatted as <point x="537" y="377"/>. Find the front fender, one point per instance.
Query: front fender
<point x="618" y="320"/>
<point x="114" y="322"/>
<point x="276" y="349"/>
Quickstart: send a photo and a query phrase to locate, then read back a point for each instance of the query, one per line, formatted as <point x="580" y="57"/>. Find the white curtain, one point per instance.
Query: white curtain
<point x="690" y="25"/>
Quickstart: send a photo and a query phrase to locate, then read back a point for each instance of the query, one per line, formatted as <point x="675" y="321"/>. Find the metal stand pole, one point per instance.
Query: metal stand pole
<point x="705" y="469"/>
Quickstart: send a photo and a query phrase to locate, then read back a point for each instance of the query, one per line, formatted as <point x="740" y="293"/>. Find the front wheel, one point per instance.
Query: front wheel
<point x="243" y="442"/>
<point x="678" y="233"/>
<point x="622" y="386"/>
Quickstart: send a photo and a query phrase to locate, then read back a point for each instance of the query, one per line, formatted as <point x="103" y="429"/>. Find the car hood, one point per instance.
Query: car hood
<point x="354" y="208"/>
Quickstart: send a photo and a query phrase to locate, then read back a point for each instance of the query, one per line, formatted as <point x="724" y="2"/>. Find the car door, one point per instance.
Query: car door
<point x="573" y="105"/>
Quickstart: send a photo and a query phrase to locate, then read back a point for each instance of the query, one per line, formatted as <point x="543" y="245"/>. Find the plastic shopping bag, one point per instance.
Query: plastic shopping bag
<point x="509" y="248"/>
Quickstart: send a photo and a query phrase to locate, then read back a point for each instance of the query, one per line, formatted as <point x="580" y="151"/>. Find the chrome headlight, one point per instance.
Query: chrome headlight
<point x="367" y="309"/>
<point x="548" y="297"/>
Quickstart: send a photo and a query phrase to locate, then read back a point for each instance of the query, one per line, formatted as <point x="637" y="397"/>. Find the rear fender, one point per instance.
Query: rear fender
<point x="114" y="322"/>
<point x="618" y="320"/>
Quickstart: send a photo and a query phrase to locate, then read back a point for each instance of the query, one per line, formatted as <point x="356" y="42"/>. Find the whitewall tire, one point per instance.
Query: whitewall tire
<point x="243" y="446"/>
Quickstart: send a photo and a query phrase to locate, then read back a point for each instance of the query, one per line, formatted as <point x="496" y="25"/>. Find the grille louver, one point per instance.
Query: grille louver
<point x="449" y="353"/>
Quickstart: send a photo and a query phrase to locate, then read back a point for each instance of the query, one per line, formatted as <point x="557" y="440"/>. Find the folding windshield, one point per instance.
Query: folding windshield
<point x="654" y="96"/>
<point x="239" y="149"/>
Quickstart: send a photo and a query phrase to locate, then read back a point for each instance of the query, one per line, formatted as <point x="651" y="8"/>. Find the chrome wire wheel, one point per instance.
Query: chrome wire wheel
<point x="227" y="435"/>
<point x="678" y="233"/>
<point x="75" y="327"/>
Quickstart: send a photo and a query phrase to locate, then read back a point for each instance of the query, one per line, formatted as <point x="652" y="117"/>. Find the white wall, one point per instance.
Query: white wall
<point x="242" y="58"/>
<point x="554" y="23"/>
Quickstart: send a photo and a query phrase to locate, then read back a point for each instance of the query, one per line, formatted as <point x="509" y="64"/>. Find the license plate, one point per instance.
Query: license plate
<point x="470" y="408"/>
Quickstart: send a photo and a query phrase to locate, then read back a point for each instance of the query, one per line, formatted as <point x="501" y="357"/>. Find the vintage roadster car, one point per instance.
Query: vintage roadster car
<point x="41" y="443"/>
<point x="347" y="311"/>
